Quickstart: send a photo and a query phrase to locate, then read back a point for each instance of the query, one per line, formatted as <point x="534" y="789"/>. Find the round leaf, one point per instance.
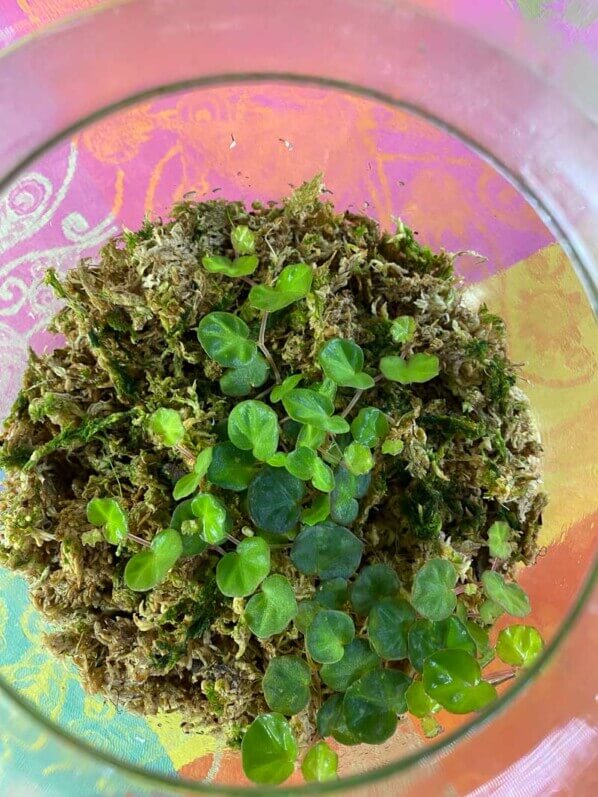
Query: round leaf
<point x="269" y="750"/>
<point x="426" y="637"/>
<point x="331" y="721"/>
<point x="280" y="391"/>
<point x="320" y="764"/>
<point x="271" y="610"/>
<point x="509" y="597"/>
<point x="225" y="338"/>
<point x="499" y="535"/>
<point x="253" y="426"/>
<point x="310" y="407"/>
<point x="192" y="543"/>
<point x="432" y="595"/>
<point x="293" y="283"/>
<point x="373" y="584"/>
<point x="490" y="612"/>
<point x="274" y="498"/>
<point x="150" y="567"/>
<point x="419" y="368"/>
<point x="418" y="702"/>
<point x="371" y="704"/>
<point x="332" y="594"/>
<point x="306" y="611"/>
<point x="358" y="658"/>
<point x="167" y="427"/>
<point x="286" y="684"/>
<point x="388" y="626"/>
<point x="214" y="520"/>
<point x="317" y="512"/>
<point x="403" y="329"/>
<point x="370" y="426"/>
<point x="519" y="645"/>
<point x="358" y="459"/>
<point x="392" y="447"/>
<point x="328" y="634"/>
<point x="343" y="505"/>
<point x="300" y="463"/>
<point x="231" y="468"/>
<point x="453" y="678"/>
<point x="240" y="572"/>
<point x="310" y="437"/>
<point x="327" y="551"/>
<point x="241" y="381"/>
<point x="108" y="513"/>
<point x="342" y="361"/>
<point x="243" y="240"/>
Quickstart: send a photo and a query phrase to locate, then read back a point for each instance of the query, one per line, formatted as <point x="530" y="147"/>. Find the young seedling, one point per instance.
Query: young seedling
<point x="108" y="514"/>
<point x="417" y="369"/>
<point x="147" y="569"/>
<point x="342" y="361"/>
<point x="293" y="283"/>
<point x="403" y="329"/>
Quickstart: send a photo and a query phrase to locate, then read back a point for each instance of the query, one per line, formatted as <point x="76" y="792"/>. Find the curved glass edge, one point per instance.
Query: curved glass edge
<point x="587" y="275"/>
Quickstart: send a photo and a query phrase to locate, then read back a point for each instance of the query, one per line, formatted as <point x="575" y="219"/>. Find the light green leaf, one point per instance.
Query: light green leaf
<point x="253" y="426"/>
<point x="342" y="361"/>
<point x="499" y="535"/>
<point x="271" y="610"/>
<point x="370" y="426"/>
<point x="269" y="750"/>
<point x="225" y="338"/>
<point x="418" y="368"/>
<point x="293" y="283"/>
<point x="241" y="381"/>
<point x="453" y="678"/>
<point x="310" y="407"/>
<point x="403" y="329"/>
<point x="167" y="427"/>
<point x="280" y="391"/>
<point x="107" y="512"/>
<point x="509" y="597"/>
<point x="392" y="447"/>
<point x="147" y="569"/>
<point x="215" y="522"/>
<point x="358" y="458"/>
<point x="519" y="645"/>
<point x="240" y="572"/>
<point x="320" y="764"/>
<point x="317" y="512"/>
<point x="243" y="240"/>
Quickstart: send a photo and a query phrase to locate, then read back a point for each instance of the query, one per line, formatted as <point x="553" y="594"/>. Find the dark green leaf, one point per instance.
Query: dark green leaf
<point x="225" y="338"/>
<point x="286" y="684"/>
<point x="358" y="658"/>
<point x="271" y="610"/>
<point x="241" y="381"/>
<point x="388" y="625"/>
<point x="370" y="426"/>
<point x="371" y="704"/>
<point x="509" y="597"/>
<point x="328" y="634"/>
<point x="373" y="584"/>
<point x="426" y="637"/>
<point x="327" y="551"/>
<point x="231" y="468"/>
<point x="331" y="721"/>
<point x="306" y="611"/>
<point x="274" y="500"/>
<point x="343" y="505"/>
<point x="332" y="594"/>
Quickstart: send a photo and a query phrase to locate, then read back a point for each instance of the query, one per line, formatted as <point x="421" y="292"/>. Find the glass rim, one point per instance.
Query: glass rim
<point x="583" y="270"/>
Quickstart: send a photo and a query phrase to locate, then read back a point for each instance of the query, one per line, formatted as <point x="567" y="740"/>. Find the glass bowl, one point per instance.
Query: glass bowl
<point x="471" y="133"/>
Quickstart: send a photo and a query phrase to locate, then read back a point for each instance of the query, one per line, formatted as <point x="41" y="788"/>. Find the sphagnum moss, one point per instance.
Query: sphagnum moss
<point x="276" y="442"/>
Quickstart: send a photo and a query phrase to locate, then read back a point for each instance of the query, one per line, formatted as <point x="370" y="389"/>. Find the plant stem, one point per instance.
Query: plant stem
<point x="261" y="342"/>
<point x="232" y="539"/>
<point x="220" y="550"/>
<point x="187" y="455"/>
<point x="139" y="540"/>
<point x="352" y="403"/>
<point x="501" y="677"/>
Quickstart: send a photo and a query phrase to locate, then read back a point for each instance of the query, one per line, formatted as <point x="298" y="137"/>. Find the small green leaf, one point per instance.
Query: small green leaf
<point x="342" y="361"/>
<point x="418" y="702"/>
<point x="490" y="612"/>
<point x="358" y="658"/>
<point x="150" y="567"/>
<point x="280" y="391"/>
<point x="243" y="240"/>
<point x="269" y="750"/>
<point x="343" y="505"/>
<point x="192" y="543"/>
<point x="278" y="460"/>
<point x="480" y="638"/>
<point x="519" y="645"/>
<point x="274" y="500"/>
<point x="225" y="338"/>
<point x="240" y="572"/>
<point x="286" y="684"/>
<point x="499" y="535"/>
<point x="320" y="764"/>
<point x="371" y="704"/>
<point x="403" y="329"/>
<point x="317" y="512"/>
<point x="231" y="468"/>
<point x="453" y="678"/>
<point x="310" y="437"/>
<point x="433" y="589"/>
<point x="166" y="427"/>
<point x="300" y="463"/>
<point x="328" y="634"/>
<point x="186" y="485"/>
<point x="215" y="522"/>
<point x="253" y="426"/>
<point x="271" y="610"/>
<point x="293" y="283"/>
<point x="331" y="721"/>
<point x="333" y="594"/>
<point x="373" y="584"/>
<point x="327" y="551"/>
<point x="388" y="625"/>
<point x="310" y="407"/>
<point x="418" y="368"/>
<point x="322" y="476"/>
<point x="306" y="612"/>
<point x="358" y="458"/>
<point x="509" y="597"/>
<point x="326" y="387"/>
<point x="392" y="447"/>
<point x="241" y="381"/>
<point x="426" y="637"/>
<point x="370" y="426"/>
<point x="107" y="512"/>
<point x="239" y="267"/>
